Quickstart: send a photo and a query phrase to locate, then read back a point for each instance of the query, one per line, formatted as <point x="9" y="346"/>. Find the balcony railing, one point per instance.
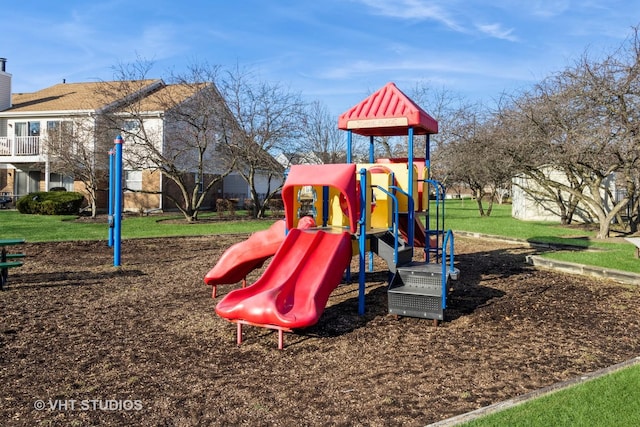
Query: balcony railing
<point x="20" y="146"/>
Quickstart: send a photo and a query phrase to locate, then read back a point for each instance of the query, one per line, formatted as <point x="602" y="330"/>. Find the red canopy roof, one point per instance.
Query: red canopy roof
<point x="387" y="112"/>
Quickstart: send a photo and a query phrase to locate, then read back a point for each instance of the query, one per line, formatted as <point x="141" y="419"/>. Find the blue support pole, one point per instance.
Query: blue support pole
<point x="411" y="214"/>
<point x="427" y="157"/>
<point x="117" y="201"/>
<point x="112" y="154"/>
<point x="349" y="143"/>
<point x="362" y="241"/>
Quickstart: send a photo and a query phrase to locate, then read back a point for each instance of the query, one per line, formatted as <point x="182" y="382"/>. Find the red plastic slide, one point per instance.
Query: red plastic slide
<point x="294" y="289"/>
<point x="243" y="257"/>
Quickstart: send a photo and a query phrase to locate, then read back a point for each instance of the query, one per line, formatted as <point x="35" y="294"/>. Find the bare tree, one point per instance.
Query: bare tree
<point x="472" y="155"/>
<point x="75" y="149"/>
<point x="539" y="127"/>
<point x="271" y="118"/>
<point x="189" y="147"/>
<point x="452" y="112"/>
<point x="585" y="119"/>
<point x="322" y="142"/>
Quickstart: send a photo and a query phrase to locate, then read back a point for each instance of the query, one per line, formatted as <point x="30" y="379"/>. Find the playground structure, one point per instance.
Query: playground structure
<point x="337" y="211"/>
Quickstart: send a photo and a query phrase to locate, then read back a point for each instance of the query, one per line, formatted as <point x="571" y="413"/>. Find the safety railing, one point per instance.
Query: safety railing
<point x="395" y="223"/>
<point x="5" y="146"/>
<point x="447" y="268"/>
<point x="439" y="220"/>
<point x="20" y="146"/>
<point x="410" y="206"/>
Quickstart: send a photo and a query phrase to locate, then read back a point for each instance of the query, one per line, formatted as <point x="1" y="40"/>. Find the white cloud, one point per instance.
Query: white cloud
<point x="548" y="8"/>
<point x="496" y="31"/>
<point x="452" y="14"/>
<point x="413" y="9"/>
<point x="466" y="66"/>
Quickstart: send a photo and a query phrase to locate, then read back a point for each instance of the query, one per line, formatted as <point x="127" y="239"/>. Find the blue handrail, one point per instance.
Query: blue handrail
<point x="395" y="222"/>
<point x="440" y="192"/>
<point x="362" y="240"/>
<point x="410" y="204"/>
<point x="448" y="238"/>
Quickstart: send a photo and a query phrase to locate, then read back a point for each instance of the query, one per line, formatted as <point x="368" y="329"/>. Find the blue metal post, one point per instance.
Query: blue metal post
<point x="411" y="214"/>
<point x="425" y="187"/>
<point x="111" y="179"/>
<point x="362" y="241"/>
<point x="117" y="201"/>
<point x="349" y="143"/>
<point x="427" y="157"/>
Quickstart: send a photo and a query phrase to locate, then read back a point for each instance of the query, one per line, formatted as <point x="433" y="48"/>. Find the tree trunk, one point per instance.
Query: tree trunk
<point x="603" y="231"/>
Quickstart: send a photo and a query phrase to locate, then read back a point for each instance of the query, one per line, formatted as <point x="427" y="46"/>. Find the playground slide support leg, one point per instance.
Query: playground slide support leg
<point x="239" y="334"/>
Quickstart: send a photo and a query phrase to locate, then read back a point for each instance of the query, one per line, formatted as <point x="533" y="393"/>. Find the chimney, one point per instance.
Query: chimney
<point x="5" y="86"/>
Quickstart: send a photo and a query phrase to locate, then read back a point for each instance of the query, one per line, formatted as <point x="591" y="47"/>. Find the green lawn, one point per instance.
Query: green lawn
<point x="584" y="247"/>
<point x="607" y="401"/>
<point x="611" y="400"/>
<point x="461" y="215"/>
<point x="43" y="228"/>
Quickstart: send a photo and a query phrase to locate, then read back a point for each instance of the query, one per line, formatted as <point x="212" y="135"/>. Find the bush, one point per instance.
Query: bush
<point x="223" y="205"/>
<point x="51" y="203"/>
<point x="277" y="207"/>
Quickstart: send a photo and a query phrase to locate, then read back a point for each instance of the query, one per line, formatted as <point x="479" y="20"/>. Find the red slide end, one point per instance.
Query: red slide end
<point x="294" y="289"/>
<point x="243" y="257"/>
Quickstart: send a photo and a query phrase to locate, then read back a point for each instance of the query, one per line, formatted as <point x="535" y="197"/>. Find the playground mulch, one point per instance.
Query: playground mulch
<point x="86" y="343"/>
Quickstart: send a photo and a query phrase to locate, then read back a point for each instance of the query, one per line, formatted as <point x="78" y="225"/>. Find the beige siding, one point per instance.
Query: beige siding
<point x="144" y="201"/>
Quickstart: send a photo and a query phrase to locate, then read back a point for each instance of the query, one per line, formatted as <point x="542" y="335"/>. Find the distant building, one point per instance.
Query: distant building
<point x="29" y="120"/>
<point x="534" y="204"/>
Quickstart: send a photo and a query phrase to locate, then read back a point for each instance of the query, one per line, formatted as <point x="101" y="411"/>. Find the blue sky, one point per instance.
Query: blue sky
<point x="335" y="51"/>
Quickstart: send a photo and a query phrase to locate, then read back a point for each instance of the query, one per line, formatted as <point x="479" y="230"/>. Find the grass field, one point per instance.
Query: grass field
<point x="583" y="247"/>
<point x="460" y="215"/>
<point x="611" y="400"/>
<point x="45" y="228"/>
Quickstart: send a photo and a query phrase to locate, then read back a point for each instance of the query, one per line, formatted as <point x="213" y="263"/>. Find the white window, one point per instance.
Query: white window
<point x="57" y="180"/>
<point x="131" y="126"/>
<point x="60" y="133"/>
<point x="133" y="180"/>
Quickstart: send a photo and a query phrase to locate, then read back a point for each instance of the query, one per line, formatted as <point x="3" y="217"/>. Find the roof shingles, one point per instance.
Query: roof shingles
<point x="67" y="97"/>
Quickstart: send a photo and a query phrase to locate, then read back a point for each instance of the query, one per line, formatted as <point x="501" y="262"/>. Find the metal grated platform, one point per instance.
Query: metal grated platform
<point x="416" y="291"/>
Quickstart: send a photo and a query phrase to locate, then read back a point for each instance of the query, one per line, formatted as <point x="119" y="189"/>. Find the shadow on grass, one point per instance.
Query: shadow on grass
<point x="552" y="243"/>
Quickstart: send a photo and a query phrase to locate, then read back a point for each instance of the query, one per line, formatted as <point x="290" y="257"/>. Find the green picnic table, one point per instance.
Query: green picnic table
<point x="6" y="259"/>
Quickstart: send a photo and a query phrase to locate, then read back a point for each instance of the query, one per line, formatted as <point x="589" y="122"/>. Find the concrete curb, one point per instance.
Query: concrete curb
<point x="585" y="270"/>
<point x="561" y="266"/>
<point x="500" y="406"/>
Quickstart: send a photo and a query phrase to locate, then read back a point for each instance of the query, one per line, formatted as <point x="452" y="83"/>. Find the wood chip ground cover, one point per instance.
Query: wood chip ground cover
<point x="141" y="345"/>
